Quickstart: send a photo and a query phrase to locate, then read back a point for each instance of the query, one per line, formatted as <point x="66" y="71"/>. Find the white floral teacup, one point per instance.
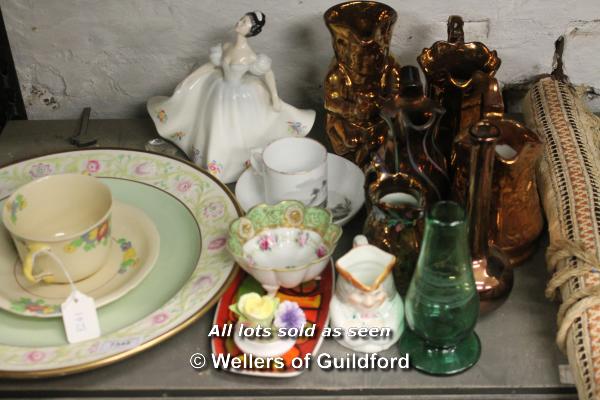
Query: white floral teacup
<point x="60" y="225"/>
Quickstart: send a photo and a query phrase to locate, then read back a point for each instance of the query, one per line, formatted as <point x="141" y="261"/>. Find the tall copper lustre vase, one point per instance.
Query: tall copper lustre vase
<point x="450" y="67"/>
<point x="493" y="278"/>
<point x="361" y="77"/>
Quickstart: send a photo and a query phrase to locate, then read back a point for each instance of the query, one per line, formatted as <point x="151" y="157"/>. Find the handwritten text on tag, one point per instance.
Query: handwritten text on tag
<point x="80" y="318"/>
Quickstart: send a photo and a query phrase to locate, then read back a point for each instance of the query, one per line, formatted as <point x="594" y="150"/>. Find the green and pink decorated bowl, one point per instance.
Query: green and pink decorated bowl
<point x="284" y="244"/>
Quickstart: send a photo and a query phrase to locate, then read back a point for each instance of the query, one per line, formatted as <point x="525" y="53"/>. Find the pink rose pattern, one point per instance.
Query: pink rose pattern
<point x="184" y="186"/>
<point x="144" y="168"/>
<point x="266" y="242"/>
<point x="35" y="356"/>
<point x="92" y="166"/>
<point x="160" y="318"/>
<point x="321" y="251"/>
<point x="217" y="243"/>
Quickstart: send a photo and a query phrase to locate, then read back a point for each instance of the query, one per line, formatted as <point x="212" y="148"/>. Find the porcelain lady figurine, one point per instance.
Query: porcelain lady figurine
<point x="228" y="106"/>
<point x="365" y="296"/>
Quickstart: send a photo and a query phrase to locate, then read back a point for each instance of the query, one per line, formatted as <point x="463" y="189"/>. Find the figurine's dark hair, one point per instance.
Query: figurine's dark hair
<point x="258" y="21"/>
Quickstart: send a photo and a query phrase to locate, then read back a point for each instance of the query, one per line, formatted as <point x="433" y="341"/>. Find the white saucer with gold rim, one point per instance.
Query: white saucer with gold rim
<point x="133" y="253"/>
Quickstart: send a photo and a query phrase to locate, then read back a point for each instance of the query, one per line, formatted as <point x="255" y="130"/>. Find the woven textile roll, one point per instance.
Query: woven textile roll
<point x="569" y="181"/>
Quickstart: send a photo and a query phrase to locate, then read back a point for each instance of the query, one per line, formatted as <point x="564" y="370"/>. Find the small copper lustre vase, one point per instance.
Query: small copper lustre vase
<point x="395" y="205"/>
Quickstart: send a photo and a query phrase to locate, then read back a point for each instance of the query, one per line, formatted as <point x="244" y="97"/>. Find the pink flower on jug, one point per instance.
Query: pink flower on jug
<point x="145" y="168"/>
<point x="40" y="169"/>
<point x="92" y="166"/>
<point x="214" y="210"/>
<point x="160" y="318"/>
<point x="321" y="251"/>
<point x="217" y="243"/>
<point x="35" y="356"/>
<point x="265" y="242"/>
<point x="184" y="186"/>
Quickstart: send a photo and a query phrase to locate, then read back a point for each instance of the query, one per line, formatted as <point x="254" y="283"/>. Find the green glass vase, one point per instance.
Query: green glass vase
<point x="442" y="304"/>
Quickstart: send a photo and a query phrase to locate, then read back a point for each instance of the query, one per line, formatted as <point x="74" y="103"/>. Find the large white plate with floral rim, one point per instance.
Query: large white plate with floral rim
<point x="209" y="205"/>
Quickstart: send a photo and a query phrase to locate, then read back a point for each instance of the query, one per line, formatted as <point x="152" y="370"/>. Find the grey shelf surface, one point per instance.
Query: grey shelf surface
<point x="519" y="358"/>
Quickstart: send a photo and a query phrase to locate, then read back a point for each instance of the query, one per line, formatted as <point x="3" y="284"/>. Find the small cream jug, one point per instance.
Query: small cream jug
<point x="60" y="225"/>
<point x="366" y="296"/>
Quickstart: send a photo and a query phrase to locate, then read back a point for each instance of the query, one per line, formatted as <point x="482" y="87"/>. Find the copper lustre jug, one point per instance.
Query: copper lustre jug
<point x="361" y="75"/>
<point x="449" y="67"/>
<point x="516" y="219"/>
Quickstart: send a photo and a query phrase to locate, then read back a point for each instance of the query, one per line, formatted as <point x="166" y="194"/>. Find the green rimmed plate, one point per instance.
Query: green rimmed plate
<point x="210" y="206"/>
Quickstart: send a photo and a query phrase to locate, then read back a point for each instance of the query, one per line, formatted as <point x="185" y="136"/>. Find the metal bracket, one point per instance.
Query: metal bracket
<point x="76" y="140"/>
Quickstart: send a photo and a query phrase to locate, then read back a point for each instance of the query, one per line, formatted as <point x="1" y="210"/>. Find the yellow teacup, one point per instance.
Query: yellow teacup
<point x="60" y="219"/>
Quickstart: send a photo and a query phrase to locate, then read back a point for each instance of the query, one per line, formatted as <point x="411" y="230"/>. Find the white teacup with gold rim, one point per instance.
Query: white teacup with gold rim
<point x="60" y="219"/>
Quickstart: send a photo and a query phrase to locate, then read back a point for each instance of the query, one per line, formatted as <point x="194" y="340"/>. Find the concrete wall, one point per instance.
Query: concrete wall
<point x="113" y="54"/>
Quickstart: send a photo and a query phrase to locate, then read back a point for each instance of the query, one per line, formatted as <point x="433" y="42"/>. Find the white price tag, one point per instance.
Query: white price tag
<point x="80" y="318"/>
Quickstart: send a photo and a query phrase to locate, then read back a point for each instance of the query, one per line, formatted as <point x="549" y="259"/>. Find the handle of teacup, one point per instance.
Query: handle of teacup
<point x="256" y="160"/>
<point x="36" y="249"/>
<point x="360" y="240"/>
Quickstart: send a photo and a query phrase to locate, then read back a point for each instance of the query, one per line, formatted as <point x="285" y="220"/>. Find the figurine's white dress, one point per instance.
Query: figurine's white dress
<point x="217" y="115"/>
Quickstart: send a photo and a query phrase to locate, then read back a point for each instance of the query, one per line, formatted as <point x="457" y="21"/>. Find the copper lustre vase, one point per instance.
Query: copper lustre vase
<point x="361" y="76"/>
<point x="449" y="67"/>
<point x="516" y="219"/>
